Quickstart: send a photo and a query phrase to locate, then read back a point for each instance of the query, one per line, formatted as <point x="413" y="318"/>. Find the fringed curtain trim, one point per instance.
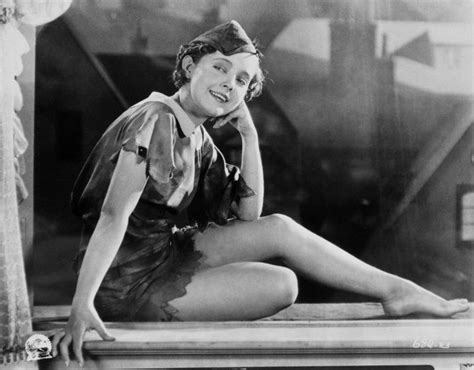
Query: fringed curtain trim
<point x="15" y="319"/>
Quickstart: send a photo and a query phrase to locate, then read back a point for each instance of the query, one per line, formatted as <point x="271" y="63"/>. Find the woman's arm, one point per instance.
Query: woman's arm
<point x="126" y="186"/>
<point x="249" y="208"/>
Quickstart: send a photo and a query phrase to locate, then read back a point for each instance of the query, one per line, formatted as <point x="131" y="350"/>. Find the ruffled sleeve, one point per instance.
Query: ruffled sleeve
<point x="147" y="129"/>
<point x="149" y="133"/>
<point x="220" y="184"/>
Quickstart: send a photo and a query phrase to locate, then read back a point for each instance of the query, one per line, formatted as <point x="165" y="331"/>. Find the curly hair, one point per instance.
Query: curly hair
<point x="196" y="50"/>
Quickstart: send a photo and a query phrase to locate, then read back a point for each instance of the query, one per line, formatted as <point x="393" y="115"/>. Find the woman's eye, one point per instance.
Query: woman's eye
<point x="219" y="68"/>
<point x="242" y="81"/>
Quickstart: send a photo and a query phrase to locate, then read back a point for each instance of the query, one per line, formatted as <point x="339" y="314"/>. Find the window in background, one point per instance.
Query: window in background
<point x="465" y="215"/>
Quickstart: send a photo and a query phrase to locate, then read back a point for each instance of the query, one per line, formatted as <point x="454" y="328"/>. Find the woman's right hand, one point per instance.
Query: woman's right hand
<point x="84" y="317"/>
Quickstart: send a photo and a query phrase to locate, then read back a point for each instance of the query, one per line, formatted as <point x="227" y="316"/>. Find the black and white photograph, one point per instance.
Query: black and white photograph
<point x="237" y="184"/>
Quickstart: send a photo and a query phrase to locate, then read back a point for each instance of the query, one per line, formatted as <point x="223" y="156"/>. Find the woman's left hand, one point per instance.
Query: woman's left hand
<point x="239" y="118"/>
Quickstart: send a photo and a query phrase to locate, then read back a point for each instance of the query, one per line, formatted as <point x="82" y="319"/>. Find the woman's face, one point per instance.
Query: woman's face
<point x="218" y="83"/>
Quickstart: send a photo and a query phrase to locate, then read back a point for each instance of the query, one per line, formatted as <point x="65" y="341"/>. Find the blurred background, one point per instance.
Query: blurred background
<point x="365" y="123"/>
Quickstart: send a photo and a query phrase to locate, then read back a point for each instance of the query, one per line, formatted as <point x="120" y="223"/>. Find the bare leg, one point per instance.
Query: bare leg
<point x="313" y="256"/>
<point x="237" y="291"/>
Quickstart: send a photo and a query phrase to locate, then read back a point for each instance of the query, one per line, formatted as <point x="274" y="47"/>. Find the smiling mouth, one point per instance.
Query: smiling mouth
<point x="220" y="97"/>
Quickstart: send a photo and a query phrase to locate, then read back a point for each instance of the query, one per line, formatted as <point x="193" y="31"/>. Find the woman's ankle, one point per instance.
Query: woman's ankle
<point x="396" y="287"/>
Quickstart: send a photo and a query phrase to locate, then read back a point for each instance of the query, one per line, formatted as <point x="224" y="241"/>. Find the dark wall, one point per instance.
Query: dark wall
<point x="68" y="92"/>
<point x="69" y="119"/>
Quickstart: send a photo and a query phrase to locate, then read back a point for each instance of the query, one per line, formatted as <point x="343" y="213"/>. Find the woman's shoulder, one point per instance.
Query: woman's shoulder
<point x="159" y="103"/>
<point x="149" y="107"/>
<point x="134" y="117"/>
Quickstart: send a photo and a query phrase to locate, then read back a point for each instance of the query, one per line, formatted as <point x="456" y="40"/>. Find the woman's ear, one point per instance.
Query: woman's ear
<point x="188" y="65"/>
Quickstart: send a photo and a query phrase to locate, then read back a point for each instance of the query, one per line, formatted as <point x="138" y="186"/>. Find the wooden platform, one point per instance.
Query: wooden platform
<point x="304" y="335"/>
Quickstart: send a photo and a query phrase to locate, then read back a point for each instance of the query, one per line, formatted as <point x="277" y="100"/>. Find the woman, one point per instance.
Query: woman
<point x="157" y="162"/>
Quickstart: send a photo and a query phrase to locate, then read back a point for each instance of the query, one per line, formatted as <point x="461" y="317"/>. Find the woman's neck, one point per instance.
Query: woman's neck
<point x="183" y="99"/>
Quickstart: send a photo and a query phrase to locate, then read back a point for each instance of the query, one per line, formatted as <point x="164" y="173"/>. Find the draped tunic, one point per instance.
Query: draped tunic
<point x="187" y="178"/>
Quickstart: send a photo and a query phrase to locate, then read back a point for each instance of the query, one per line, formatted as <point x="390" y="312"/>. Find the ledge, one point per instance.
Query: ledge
<point x="281" y="342"/>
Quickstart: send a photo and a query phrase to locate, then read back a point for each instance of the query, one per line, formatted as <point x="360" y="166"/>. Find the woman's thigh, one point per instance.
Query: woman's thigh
<point x="237" y="291"/>
<point x="241" y="241"/>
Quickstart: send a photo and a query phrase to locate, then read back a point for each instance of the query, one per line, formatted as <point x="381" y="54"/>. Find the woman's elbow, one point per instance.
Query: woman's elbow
<point x="249" y="215"/>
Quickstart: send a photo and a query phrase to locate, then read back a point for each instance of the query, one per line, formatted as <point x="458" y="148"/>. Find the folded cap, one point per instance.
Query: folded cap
<point x="228" y="38"/>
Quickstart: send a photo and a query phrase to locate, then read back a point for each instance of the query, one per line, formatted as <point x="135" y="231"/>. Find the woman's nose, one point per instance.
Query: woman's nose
<point x="229" y="84"/>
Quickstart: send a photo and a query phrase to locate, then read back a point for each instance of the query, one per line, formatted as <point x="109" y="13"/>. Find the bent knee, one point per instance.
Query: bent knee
<point x="281" y="229"/>
<point x="285" y="286"/>
<point x="279" y="222"/>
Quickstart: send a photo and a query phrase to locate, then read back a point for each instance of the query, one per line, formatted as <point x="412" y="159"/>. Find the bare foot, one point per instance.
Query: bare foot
<point x="410" y="298"/>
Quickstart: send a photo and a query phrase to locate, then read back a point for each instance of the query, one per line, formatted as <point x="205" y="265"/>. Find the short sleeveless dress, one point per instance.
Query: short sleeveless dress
<point x="187" y="178"/>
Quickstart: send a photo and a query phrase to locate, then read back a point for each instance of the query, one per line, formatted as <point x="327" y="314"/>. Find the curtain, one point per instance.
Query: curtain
<point x="15" y="319"/>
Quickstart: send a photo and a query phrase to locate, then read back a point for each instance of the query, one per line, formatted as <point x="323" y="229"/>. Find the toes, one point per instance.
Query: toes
<point x="461" y="305"/>
<point x="449" y="308"/>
